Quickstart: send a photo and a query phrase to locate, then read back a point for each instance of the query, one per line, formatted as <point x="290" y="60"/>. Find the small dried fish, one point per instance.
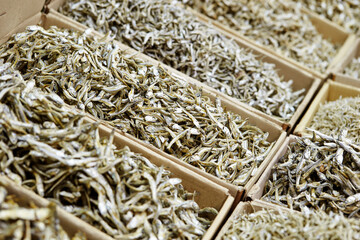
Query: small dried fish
<point x="49" y="149"/>
<point x="346" y="13"/>
<point x="166" y="31"/>
<point x="29" y="222"/>
<point x="270" y="224"/>
<point x="141" y="99"/>
<point x="334" y="116"/>
<point x="279" y="25"/>
<point x="353" y="69"/>
<point x="321" y="173"/>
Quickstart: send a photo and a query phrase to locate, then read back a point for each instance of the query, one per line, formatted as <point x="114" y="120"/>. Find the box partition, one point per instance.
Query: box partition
<point x="326" y="28"/>
<point x="257" y="190"/>
<point x="244" y="208"/>
<point x="301" y="79"/>
<point x="209" y="193"/>
<point x="330" y="91"/>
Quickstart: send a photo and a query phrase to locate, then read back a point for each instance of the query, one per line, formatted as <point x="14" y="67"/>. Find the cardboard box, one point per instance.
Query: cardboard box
<point x="301" y="79"/>
<point x="68" y="222"/>
<point x="210" y="194"/>
<point x="244" y="208"/>
<point x="257" y="191"/>
<point x="275" y="131"/>
<point x="326" y="28"/>
<point x="330" y="91"/>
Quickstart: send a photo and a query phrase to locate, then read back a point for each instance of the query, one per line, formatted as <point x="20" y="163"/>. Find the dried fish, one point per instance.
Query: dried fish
<point x="320" y="172"/>
<point x="29" y="222"/>
<point x="141" y="99"/>
<point x="353" y="68"/>
<point x="279" y="25"/>
<point x="48" y="148"/>
<point x="334" y="116"/>
<point x="346" y="13"/>
<point x="167" y="32"/>
<point x="271" y="224"/>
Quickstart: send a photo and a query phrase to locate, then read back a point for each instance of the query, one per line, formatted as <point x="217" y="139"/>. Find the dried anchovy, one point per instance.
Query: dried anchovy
<point x="346" y="13"/>
<point x="353" y="69"/>
<point x="343" y="113"/>
<point x="29" y="222"/>
<point x="269" y="224"/>
<point x="50" y="150"/>
<point x="279" y="25"/>
<point x="141" y="99"/>
<point x="165" y="31"/>
<point x="321" y="173"/>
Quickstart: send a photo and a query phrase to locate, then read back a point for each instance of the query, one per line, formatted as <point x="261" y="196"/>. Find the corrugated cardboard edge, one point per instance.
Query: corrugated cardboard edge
<point x="325" y="27"/>
<point x="352" y="52"/>
<point x="330" y="91"/>
<point x="302" y="79"/>
<point x="15" y="12"/>
<point x="193" y="181"/>
<point x="275" y="132"/>
<point x="342" y="78"/>
<point x="256" y="191"/>
<point x="69" y="222"/>
<point x="247" y="208"/>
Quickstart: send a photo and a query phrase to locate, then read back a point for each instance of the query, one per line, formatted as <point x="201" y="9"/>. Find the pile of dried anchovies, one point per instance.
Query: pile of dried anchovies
<point x="321" y="173"/>
<point x="346" y="13"/>
<point x="353" y="69"/>
<point x="141" y="99"/>
<point x="279" y="25"/>
<point x="29" y="222"/>
<point x="165" y="31"/>
<point x="334" y="116"/>
<point x="51" y="150"/>
<point x="269" y="224"/>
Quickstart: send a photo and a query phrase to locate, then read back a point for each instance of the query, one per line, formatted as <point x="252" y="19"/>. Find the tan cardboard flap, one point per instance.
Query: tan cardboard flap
<point x="15" y="12"/>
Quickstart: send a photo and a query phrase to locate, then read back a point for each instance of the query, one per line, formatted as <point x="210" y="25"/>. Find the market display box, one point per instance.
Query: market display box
<point x="301" y="79"/>
<point x="244" y="208"/>
<point x="275" y="132"/>
<point x="209" y="193"/>
<point x="326" y="28"/>
<point x="338" y="71"/>
<point x="330" y="91"/>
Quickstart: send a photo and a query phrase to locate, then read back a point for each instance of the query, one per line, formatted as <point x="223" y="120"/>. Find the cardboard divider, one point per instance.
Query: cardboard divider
<point x="68" y="222"/>
<point x="344" y="79"/>
<point x="257" y="191"/>
<point x="338" y="75"/>
<point x="301" y="79"/>
<point x="325" y="27"/>
<point x="330" y="91"/>
<point x="275" y="131"/>
<point x="209" y="193"/>
<point x="244" y="208"/>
